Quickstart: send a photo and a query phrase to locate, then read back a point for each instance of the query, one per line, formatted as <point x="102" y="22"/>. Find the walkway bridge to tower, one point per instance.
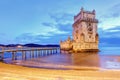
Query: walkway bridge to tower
<point x="27" y="52"/>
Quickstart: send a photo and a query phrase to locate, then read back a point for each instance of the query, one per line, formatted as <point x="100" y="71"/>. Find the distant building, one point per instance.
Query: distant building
<point x="85" y="35"/>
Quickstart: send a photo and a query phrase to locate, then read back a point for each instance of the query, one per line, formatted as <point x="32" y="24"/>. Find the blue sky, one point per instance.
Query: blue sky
<point x="49" y="21"/>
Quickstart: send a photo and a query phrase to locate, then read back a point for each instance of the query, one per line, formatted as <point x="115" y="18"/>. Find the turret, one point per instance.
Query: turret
<point x="93" y="12"/>
<point x="82" y="9"/>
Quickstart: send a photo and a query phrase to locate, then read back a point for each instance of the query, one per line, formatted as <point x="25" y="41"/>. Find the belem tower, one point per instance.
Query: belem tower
<point x="85" y="35"/>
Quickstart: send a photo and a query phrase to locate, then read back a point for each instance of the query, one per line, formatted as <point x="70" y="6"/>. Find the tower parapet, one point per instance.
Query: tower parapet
<point x="85" y="15"/>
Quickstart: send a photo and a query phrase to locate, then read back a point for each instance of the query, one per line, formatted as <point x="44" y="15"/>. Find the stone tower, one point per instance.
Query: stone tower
<point x="85" y="35"/>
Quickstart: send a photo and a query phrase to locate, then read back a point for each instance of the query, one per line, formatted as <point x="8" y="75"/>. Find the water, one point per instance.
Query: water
<point x="107" y="58"/>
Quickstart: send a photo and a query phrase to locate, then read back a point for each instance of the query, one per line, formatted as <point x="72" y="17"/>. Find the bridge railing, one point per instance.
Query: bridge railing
<point x="2" y="49"/>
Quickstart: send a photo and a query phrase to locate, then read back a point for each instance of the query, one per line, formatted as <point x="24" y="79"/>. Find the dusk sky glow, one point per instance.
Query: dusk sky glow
<point x="49" y="21"/>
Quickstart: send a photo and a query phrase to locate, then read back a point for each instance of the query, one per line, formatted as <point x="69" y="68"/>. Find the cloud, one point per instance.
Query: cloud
<point x="39" y="39"/>
<point x="111" y="33"/>
<point x="30" y="38"/>
<point x="62" y="18"/>
<point x="109" y="27"/>
<point x="6" y="39"/>
<point x="26" y="38"/>
<point x="50" y="32"/>
<point x="111" y="18"/>
<point x="109" y="23"/>
<point x="51" y="29"/>
<point x="63" y="21"/>
<point x="115" y="10"/>
<point x="62" y="24"/>
<point x="114" y="30"/>
<point x="109" y="37"/>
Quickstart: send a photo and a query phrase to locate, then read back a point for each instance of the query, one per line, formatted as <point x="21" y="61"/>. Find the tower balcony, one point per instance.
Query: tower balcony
<point x="85" y="20"/>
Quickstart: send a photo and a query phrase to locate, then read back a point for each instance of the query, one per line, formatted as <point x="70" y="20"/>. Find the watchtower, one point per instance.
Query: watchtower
<point x="85" y="35"/>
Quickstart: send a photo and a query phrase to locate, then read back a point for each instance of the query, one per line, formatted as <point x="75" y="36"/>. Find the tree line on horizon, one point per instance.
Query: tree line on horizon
<point x="30" y="45"/>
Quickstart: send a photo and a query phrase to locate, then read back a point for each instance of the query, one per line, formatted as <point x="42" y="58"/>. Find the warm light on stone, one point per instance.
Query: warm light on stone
<point x="85" y="35"/>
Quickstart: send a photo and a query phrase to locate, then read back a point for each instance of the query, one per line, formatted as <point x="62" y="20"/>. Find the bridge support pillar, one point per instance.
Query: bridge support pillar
<point x="39" y="53"/>
<point x="42" y="53"/>
<point x="32" y="53"/>
<point x="14" y="57"/>
<point x="36" y="52"/>
<point x="47" y="52"/>
<point x="23" y="55"/>
<point x="1" y="56"/>
<point x="56" y="51"/>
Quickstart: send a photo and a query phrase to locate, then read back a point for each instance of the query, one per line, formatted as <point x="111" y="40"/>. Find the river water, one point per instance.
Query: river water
<point x="107" y="58"/>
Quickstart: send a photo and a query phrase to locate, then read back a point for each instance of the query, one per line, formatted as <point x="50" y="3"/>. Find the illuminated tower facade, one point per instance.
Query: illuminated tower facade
<point x="85" y="35"/>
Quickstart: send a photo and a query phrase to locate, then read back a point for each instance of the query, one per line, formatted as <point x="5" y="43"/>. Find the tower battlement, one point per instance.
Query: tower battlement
<point x="84" y="14"/>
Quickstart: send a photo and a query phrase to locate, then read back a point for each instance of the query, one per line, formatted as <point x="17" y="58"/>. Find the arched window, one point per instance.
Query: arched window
<point x="97" y="37"/>
<point x="82" y="37"/>
<point x="76" y="31"/>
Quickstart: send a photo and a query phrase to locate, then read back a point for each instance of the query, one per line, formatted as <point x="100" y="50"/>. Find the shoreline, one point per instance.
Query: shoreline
<point x="64" y="67"/>
<point x="61" y="67"/>
<point x="35" y="64"/>
<point x="52" y="66"/>
<point x="15" y="72"/>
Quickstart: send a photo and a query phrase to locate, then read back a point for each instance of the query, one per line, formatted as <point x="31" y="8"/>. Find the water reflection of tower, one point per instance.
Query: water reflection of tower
<point x="89" y="59"/>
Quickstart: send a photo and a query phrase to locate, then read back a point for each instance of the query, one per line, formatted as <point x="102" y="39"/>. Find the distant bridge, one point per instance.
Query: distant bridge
<point x="31" y="51"/>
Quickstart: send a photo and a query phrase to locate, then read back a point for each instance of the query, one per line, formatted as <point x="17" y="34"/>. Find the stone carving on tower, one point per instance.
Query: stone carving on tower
<point x="85" y="35"/>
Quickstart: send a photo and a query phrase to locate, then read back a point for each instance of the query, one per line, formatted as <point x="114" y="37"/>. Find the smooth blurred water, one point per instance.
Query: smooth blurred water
<point x="107" y="58"/>
<point x="109" y="51"/>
